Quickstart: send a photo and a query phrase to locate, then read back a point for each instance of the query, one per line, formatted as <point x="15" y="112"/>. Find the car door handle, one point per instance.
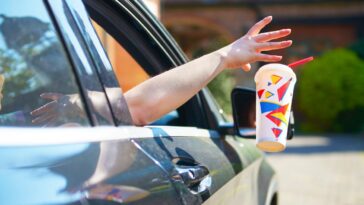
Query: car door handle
<point x="192" y="175"/>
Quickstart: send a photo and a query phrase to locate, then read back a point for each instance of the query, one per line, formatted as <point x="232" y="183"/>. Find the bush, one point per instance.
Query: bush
<point x="221" y="88"/>
<point x="358" y="48"/>
<point x="330" y="92"/>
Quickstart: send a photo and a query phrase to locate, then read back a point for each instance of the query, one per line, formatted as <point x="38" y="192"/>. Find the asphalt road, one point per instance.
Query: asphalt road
<point x="321" y="170"/>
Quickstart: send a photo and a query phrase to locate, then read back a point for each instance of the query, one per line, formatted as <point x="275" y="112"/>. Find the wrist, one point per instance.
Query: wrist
<point x="222" y="55"/>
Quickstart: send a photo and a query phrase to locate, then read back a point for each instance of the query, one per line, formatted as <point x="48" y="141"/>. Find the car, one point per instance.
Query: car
<point x="59" y="146"/>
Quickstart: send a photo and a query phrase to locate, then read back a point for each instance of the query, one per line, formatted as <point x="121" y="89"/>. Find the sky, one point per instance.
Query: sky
<point x="22" y="8"/>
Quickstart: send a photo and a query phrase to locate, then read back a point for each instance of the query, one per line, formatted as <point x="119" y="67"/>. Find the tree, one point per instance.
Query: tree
<point x="331" y="92"/>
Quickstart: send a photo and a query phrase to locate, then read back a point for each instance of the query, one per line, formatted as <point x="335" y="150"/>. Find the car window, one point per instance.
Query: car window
<point x="128" y="71"/>
<point x="37" y="83"/>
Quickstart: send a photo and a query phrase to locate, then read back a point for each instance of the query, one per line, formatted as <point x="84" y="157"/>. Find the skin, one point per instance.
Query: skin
<point x="169" y="90"/>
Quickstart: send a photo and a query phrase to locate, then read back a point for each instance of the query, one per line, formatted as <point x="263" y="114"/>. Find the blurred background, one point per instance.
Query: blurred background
<point x="324" y="163"/>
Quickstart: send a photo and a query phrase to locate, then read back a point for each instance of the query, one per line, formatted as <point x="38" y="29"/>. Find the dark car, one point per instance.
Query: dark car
<point x="50" y="54"/>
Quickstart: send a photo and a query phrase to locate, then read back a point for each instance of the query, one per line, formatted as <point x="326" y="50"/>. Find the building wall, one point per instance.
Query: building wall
<point x="123" y="63"/>
<point x="317" y="26"/>
<point x="340" y="22"/>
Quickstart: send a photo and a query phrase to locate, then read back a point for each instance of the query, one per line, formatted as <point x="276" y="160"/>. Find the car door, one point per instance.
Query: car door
<point x="192" y="147"/>
<point x="57" y="147"/>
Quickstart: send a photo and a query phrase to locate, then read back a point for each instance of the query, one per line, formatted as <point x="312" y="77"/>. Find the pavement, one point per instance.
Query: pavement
<point x="320" y="170"/>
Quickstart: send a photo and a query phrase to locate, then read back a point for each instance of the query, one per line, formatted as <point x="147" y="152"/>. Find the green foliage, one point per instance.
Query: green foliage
<point x="221" y="88"/>
<point x="17" y="77"/>
<point x="358" y="48"/>
<point x="331" y="92"/>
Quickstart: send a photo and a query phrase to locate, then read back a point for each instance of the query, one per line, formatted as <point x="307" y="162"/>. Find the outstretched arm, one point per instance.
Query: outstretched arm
<point x="163" y="93"/>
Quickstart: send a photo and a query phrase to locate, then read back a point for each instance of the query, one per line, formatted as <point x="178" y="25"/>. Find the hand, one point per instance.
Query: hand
<point x="248" y="48"/>
<point x="60" y="107"/>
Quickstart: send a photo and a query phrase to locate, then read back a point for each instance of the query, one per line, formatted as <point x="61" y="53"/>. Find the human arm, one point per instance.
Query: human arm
<point x="159" y="95"/>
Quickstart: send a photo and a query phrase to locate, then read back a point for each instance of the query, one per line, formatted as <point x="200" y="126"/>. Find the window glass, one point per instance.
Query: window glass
<point x="37" y="85"/>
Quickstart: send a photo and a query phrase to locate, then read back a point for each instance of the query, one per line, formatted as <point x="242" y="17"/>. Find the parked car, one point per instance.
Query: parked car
<point x="51" y="56"/>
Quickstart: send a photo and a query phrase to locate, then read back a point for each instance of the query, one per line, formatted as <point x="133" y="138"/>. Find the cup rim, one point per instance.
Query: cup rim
<point x="273" y="66"/>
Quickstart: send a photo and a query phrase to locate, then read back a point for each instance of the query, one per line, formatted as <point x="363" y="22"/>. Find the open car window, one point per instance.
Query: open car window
<point x="128" y="71"/>
<point x="37" y="83"/>
<point x="149" y="45"/>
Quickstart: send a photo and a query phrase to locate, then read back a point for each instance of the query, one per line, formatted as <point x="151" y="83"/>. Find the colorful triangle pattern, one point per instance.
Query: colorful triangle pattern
<point x="268" y="106"/>
<point x="276" y="132"/>
<point x="268" y="94"/>
<point x="283" y="89"/>
<point x="260" y="93"/>
<point x="280" y="116"/>
<point x="275" y="79"/>
<point x="269" y="83"/>
<point x="277" y="116"/>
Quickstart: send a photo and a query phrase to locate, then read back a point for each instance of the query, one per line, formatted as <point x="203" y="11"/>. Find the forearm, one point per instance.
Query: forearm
<point x="159" y="95"/>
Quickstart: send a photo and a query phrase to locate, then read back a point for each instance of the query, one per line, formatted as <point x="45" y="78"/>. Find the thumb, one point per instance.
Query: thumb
<point x="246" y="67"/>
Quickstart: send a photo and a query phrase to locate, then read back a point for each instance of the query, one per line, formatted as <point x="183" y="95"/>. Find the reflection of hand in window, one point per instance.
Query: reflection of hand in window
<point x="61" y="107"/>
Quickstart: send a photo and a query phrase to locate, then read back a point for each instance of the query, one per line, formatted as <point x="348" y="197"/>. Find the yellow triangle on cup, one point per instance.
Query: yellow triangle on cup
<point x="268" y="94"/>
<point x="275" y="79"/>
<point x="280" y="116"/>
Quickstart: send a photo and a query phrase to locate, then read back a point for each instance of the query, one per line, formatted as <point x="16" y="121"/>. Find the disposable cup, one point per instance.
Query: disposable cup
<point x="274" y="92"/>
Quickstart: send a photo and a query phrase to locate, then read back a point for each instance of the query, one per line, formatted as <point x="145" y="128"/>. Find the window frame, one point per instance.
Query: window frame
<point x="157" y="56"/>
<point x="73" y="56"/>
<point x="119" y="109"/>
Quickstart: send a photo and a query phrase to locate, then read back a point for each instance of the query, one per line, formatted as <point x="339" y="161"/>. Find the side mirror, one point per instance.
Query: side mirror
<point x="243" y="104"/>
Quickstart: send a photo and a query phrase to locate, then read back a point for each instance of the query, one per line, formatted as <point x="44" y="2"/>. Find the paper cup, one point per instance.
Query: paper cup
<point x="275" y="83"/>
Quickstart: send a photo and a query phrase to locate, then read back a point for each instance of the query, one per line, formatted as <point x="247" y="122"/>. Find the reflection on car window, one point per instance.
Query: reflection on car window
<point x="37" y="86"/>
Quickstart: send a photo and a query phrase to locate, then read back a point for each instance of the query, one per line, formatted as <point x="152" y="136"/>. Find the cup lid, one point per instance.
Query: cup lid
<point x="275" y="67"/>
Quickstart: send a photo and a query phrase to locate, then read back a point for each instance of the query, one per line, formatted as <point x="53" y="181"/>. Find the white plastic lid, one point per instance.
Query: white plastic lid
<point x="275" y="67"/>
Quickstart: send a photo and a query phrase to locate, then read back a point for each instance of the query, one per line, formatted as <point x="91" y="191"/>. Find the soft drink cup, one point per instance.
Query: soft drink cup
<point x="274" y="92"/>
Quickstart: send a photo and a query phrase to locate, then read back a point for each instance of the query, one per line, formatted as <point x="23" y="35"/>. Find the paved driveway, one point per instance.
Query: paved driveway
<point x="319" y="170"/>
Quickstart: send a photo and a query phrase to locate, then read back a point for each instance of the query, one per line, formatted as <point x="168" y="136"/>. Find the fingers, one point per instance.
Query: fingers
<point x="268" y="58"/>
<point x="246" y="67"/>
<point x="268" y="46"/>
<point x="51" y="96"/>
<point x="44" y="109"/>
<point x="263" y="37"/>
<point x="259" y="26"/>
<point x="44" y="118"/>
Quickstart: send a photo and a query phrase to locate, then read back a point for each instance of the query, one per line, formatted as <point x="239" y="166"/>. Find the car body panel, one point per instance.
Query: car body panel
<point x="82" y="61"/>
<point x="128" y="164"/>
<point x="103" y="166"/>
